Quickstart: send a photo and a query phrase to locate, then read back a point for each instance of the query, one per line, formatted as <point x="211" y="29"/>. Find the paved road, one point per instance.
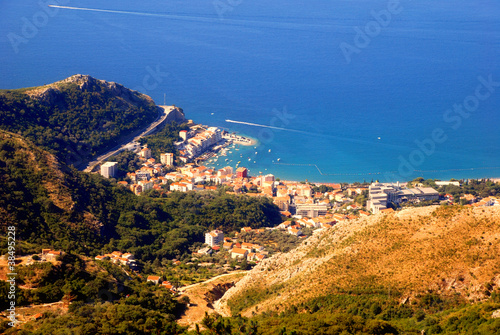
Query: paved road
<point x="131" y="143"/>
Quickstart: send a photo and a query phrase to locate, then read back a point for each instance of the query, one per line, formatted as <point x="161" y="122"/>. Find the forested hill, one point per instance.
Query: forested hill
<point x="75" y="118"/>
<point x="53" y="205"/>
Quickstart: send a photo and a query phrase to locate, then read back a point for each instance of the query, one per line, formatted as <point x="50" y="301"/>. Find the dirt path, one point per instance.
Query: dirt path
<point x="196" y="293"/>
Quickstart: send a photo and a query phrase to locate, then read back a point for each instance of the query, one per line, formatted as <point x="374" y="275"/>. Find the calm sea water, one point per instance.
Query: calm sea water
<point x="354" y="106"/>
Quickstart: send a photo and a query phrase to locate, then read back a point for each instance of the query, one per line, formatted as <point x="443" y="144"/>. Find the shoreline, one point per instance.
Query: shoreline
<point x="241" y="139"/>
<point x="235" y="139"/>
<point x="492" y="179"/>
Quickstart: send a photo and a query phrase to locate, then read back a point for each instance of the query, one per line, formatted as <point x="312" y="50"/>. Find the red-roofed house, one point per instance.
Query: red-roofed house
<point x="239" y="253"/>
<point x="153" y="279"/>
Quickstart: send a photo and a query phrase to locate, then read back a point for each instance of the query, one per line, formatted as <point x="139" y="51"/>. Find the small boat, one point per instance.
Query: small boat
<point x="256" y="152"/>
<point x="269" y="150"/>
<point x="279" y="159"/>
<point x="249" y="159"/>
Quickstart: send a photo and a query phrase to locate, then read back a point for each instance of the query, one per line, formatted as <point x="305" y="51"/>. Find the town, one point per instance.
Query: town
<point x="324" y="203"/>
<point x="305" y="207"/>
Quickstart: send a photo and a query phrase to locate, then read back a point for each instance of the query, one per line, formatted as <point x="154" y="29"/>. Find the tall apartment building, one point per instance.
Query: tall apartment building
<point x="167" y="159"/>
<point x="241" y="172"/>
<point x="108" y="169"/>
<point x="213" y="238"/>
<point x="145" y="152"/>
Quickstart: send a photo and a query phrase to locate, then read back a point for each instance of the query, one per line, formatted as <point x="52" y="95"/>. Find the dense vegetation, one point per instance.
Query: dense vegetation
<point x="478" y="187"/>
<point x="104" y="299"/>
<point x="76" y="122"/>
<point x="163" y="141"/>
<point x="128" y="161"/>
<point x="65" y="209"/>
<point x="370" y="310"/>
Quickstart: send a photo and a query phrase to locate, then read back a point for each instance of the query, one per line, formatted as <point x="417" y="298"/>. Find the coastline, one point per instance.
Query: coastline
<point x="248" y="144"/>
<point x="241" y="139"/>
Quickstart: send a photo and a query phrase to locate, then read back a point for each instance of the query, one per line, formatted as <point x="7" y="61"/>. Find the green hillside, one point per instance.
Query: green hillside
<point x="75" y="118"/>
<point x="53" y="205"/>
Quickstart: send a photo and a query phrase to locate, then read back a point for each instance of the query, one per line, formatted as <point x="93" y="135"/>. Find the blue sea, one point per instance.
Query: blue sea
<point x="338" y="91"/>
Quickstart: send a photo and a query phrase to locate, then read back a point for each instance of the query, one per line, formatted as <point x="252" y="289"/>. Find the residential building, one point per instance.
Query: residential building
<point x="146" y="185"/>
<point x="145" y="153"/>
<point x="239" y="253"/>
<point x="381" y="194"/>
<point x="311" y="210"/>
<point x="213" y="238"/>
<point x="167" y="159"/>
<point x="241" y="172"/>
<point x="108" y="169"/>
<point x="183" y="134"/>
<point x="153" y="279"/>
<point x="445" y="183"/>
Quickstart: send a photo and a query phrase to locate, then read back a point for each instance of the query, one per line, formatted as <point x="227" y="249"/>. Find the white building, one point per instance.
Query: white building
<point x="108" y="169"/>
<point x="145" y="153"/>
<point x="445" y="183"/>
<point x="146" y="185"/>
<point x="213" y="238"/>
<point x="167" y="159"/>
<point x="311" y="210"/>
<point x="380" y="194"/>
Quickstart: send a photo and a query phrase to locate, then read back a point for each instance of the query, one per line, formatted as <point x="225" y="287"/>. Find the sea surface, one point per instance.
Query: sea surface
<point x="342" y="90"/>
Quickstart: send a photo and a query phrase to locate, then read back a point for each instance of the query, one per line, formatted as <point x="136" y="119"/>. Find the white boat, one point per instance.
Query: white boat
<point x="279" y="159"/>
<point x="269" y="150"/>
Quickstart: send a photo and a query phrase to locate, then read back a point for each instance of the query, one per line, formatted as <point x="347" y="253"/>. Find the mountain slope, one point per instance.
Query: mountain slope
<point x="75" y="118"/>
<point x="54" y="205"/>
<point x="450" y="252"/>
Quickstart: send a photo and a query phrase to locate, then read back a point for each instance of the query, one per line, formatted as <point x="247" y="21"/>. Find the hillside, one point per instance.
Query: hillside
<point x="55" y="206"/>
<point x="420" y="259"/>
<point x="76" y="118"/>
<point x="80" y="296"/>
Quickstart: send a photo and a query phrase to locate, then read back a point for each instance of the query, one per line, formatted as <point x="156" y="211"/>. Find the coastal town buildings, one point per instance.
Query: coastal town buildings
<point x="108" y="169"/>
<point x="213" y="238"/>
<point x="241" y="172"/>
<point x="145" y="153"/>
<point x="167" y="159"/>
<point x="382" y="194"/>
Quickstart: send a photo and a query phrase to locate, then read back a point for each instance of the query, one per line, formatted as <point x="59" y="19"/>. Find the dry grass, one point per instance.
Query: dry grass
<point x="196" y="294"/>
<point x="446" y="250"/>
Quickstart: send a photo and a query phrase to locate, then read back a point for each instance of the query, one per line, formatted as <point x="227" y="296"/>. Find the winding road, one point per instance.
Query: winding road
<point x="130" y="144"/>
